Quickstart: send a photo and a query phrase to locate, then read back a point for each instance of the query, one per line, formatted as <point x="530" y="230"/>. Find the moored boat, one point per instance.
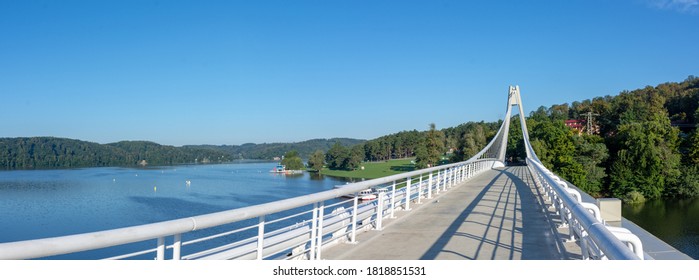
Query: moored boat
<point x="367" y="194"/>
<point x="281" y="169"/>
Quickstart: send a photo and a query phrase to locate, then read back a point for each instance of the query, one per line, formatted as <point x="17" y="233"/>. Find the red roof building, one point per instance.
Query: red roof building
<point x="577" y="125"/>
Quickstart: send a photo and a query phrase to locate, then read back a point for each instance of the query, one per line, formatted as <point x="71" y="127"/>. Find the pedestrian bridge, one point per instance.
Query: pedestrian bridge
<point x="476" y="209"/>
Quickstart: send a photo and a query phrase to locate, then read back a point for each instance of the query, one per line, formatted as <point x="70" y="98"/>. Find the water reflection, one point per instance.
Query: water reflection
<point x="673" y="221"/>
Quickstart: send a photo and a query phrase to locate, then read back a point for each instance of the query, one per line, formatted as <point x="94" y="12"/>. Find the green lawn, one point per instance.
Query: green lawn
<point x="374" y="170"/>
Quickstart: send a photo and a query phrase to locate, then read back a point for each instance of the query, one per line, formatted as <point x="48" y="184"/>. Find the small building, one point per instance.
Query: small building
<point x="577" y="125"/>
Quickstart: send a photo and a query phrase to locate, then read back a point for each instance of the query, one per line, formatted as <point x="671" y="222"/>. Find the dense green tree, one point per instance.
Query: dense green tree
<point x="292" y="161"/>
<point x="693" y="153"/>
<point x="552" y="142"/>
<point x="647" y="162"/>
<point x="355" y="158"/>
<point x="688" y="183"/>
<point x="316" y="161"/>
<point x="336" y="156"/>
<point x="591" y="153"/>
<point x="515" y="144"/>
<point x="371" y="150"/>
<point x="431" y="149"/>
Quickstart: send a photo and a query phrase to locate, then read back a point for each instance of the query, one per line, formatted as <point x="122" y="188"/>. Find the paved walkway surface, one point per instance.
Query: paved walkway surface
<point x="495" y="216"/>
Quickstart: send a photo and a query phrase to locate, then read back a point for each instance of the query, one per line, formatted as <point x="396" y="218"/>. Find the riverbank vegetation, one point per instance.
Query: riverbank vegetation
<point x="372" y="170"/>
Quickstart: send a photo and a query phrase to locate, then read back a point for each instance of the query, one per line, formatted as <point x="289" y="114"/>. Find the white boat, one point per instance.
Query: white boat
<point x="282" y="170"/>
<point x="367" y="194"/>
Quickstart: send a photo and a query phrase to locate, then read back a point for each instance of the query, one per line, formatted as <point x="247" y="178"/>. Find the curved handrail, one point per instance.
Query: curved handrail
<point x="610" y="245"/>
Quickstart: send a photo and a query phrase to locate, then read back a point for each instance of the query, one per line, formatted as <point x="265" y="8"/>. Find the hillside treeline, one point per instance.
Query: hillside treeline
<point x="268" y="151"/>
<point x="50" y="152"/>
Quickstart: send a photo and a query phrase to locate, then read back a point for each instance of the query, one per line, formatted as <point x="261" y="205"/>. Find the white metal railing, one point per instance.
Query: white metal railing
<point x="304" y="226"/>
<point x="597" y="240"/>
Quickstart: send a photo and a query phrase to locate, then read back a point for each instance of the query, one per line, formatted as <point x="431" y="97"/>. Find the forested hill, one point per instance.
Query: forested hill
<point x="50" y="152"/>
<point x="271" y="150"/>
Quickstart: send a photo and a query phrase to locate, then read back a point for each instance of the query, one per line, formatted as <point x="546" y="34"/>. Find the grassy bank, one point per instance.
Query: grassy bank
<point x="374" y="170"/>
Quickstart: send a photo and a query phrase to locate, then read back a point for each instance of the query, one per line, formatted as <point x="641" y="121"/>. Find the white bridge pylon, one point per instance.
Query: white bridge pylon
<point x="497" y="147"/>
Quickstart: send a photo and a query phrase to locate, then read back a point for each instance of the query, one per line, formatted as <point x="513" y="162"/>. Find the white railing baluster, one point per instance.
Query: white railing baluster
<point x="177" y="247"/>
<point x="429" y="185"/>
<point x="320" y="229"/>
<point x="407" y="194"/>
<point x="419" y="191"/>
<point x="260" y="237"/>
<point x="314" y="231"/>
<point x="355" y="205"/>
<point x="160" y="255"/>
<point x="379" y="210"/>
<point x="393" y="200"/>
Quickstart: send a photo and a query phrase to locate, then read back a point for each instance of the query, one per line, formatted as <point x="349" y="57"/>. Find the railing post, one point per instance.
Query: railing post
<point x="457" y="170"/>
<point x="320" y="229"/>
<point x="446" y="175"/>
<point x="393" y="201"/>
<point x="419" y="191"/>
<point x="407" y="194"/>
<point x="260" y="237"/>
<point x="429" y="186"/>
<point x="447" y="178"/>
<point x="379" y="211"/>
<point x="314" y="231"/>
<point x="160" y="255"/>
<point x="177" y="247"/>
<point x="439" y="177"/>
<point x="353" y="238"/>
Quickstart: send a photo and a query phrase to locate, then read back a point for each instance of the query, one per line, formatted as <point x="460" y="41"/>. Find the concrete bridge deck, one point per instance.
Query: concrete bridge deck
<point x="495" y="216"/>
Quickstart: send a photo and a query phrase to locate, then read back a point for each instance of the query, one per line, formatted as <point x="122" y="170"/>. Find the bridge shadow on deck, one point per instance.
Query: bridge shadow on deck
<point x="494" y="216"/>
<point x="510" y="222"/>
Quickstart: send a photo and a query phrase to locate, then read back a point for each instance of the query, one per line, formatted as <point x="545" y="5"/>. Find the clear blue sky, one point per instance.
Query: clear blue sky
<point x="232" y="72"/>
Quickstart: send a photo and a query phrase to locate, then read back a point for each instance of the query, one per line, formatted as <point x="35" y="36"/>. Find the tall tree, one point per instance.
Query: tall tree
<point x="432" y="148"/>
<point x="292" y="161"/>
<point x="591" y="153"/>
<point x="355" y="157"/>
<point x="316" y="161"/>
<point x="336" y="156"/>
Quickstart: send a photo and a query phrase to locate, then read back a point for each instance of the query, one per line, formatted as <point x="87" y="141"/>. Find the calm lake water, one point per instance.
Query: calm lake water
<point x="674" y="221"/>
<point x="48" y="203"/>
